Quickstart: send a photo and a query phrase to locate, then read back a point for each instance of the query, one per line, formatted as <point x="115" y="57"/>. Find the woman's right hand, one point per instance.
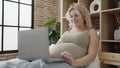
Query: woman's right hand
<point x="68" y="58"/>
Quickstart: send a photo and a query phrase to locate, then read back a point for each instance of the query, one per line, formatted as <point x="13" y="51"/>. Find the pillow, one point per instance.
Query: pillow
<point x="95" y="63"/>
<point x="75" y="50"/>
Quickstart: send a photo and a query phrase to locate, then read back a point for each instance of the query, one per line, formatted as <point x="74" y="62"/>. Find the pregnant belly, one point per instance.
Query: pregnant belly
<point x="75" y="50"/>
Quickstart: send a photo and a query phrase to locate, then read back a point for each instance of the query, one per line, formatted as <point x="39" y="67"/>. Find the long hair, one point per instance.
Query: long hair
<point x="81" y="10"/>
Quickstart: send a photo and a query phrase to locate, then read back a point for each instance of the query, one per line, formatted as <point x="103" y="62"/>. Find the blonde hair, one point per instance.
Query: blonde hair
<point x="81" y="10"/>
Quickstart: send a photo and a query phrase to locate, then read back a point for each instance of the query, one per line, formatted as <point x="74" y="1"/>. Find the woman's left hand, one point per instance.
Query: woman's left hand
<point x="68" y="58"/>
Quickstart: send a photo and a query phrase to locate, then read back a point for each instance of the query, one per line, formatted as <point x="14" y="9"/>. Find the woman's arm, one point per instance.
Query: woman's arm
<point x="92" y="51"/>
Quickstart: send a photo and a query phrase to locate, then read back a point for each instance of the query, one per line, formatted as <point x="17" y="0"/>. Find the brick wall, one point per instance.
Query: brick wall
<point x="45" y="10"/>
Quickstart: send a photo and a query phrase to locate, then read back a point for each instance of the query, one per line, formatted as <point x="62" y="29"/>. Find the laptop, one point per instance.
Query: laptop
<point x="34" y="44"/>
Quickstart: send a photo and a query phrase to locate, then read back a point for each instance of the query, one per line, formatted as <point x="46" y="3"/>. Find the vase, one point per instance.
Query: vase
<point x="95" y="6"/>
<point x="117" y="34"/>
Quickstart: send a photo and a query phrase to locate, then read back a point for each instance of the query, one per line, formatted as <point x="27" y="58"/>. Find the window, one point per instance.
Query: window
<point x="15" y="15"/>
<point x="0" y="12"/>
<point x="10" y="38"/>
<point x="0" y="23"/>
<point x="25" y="15"/>
<point x="0" y="37"/>
<point x="10" y="13"/>
<point x="15" y="0"/>
<point x="26" y="1"/>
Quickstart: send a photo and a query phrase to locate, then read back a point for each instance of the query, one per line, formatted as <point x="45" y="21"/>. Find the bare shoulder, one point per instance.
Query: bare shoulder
<point x="92" y="32"/>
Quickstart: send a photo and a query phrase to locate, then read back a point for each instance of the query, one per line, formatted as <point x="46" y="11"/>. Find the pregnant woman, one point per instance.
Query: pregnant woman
<point x="79" y="45"/>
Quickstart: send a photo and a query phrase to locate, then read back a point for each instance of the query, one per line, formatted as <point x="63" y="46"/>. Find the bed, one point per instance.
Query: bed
<point x="18" y="63"/>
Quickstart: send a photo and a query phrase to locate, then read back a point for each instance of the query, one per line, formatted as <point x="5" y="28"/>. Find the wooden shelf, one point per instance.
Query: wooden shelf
<point x="111" y="10"/>
<point x="86" y="2"/>
<point x="110" y="41"/>
<point x="110" y="58"/>
<point x="107" y="26"/>
<point x="107" y="4"/>
<point x="66" y="4"/>
<point x="64" y="17"/>
<point x="64" y="25"/>
<point x="95" y="14"/>
<point x="105" y="21"/>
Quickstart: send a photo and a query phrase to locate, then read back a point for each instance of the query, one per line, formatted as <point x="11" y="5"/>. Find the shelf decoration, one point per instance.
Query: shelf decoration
<point x="95" y="6"/>
<point x="117" y="32"/>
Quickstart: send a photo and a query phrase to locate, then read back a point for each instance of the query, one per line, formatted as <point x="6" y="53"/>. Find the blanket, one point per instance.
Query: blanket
<point x="18" y="63"/>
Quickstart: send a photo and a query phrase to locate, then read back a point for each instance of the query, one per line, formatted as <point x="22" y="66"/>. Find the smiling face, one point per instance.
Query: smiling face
<point x="76" y="19"/>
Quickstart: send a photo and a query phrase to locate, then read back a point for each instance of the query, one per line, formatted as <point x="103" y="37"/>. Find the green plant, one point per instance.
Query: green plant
<point x="54" y="30"/>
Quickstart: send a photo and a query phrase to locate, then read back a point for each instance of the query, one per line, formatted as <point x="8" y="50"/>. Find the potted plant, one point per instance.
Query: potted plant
<point x="54" y="30"/>
<point x="117" y="3"/>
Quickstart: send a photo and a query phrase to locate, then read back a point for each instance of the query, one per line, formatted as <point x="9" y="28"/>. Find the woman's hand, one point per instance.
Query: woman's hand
<point x="68" y="58"/>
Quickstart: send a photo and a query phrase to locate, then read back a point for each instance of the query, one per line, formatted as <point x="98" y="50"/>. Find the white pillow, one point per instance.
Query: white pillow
<point x="95" y="63"/>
